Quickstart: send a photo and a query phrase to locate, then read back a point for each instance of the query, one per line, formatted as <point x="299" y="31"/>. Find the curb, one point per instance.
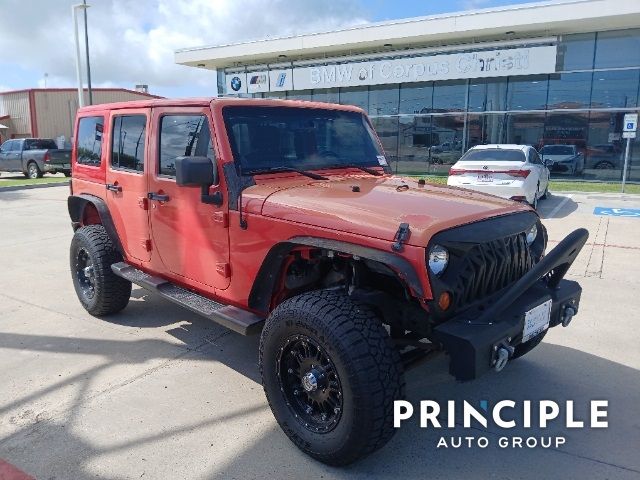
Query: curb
<point x="13" y="188"/>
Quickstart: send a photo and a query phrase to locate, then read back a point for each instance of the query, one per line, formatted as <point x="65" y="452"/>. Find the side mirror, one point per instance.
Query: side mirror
<point x="198" y="171"/>
<point x="194" y="171"/>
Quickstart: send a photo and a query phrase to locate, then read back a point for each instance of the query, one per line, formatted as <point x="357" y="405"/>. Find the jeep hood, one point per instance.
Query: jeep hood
<point x="375" y="207"/>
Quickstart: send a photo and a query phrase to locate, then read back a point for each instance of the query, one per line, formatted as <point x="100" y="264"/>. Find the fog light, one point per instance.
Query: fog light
<point x="444" y="300"/>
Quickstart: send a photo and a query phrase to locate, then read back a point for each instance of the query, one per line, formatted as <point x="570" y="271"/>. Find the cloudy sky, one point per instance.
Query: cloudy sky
<point x="133" y="41"/>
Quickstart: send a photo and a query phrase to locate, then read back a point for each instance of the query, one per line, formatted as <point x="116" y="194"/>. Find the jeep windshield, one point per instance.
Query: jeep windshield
<point x="265" y="139"/>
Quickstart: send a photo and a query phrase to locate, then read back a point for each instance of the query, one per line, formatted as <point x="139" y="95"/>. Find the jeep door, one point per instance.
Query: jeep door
<point x="190" y="238"/>
<point x="126" y="182"/>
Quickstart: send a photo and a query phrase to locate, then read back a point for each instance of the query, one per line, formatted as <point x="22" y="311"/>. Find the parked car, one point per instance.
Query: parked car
<point x="604" y="156"/>
<point x="563" y="159"/>
<point x="508" y="171"/>
<point x="34" y="157"/>
<point x="291" y="225"/>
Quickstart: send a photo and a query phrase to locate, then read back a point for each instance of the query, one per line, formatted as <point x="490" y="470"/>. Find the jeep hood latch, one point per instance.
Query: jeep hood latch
<point x="402" y="235"/>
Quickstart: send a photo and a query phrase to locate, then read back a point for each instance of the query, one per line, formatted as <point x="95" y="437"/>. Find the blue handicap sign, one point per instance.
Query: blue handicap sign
<point x="617" y="212"/>
<point x="630" y="125"/>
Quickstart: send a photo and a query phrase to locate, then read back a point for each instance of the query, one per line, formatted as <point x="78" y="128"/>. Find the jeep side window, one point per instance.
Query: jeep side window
<point x="89" y="141"/>
<point x="127" y="142"/>
<point x="183" y="136"/>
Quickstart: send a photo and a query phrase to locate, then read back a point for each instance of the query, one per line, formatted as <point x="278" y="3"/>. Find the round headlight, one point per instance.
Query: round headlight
<point x="438" y="259"/>
<point x="532" y="234"/>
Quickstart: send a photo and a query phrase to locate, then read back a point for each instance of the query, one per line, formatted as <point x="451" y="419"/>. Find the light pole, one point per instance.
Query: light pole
<point x="74" y="16"/>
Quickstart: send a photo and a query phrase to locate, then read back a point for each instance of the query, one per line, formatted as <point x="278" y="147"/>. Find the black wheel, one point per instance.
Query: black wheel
<point x="545" y="195"/>
<point x="534" y="204"/>
<point x="331" y="374"/>
<point x="526" y="347"/>
<point x="67" y="174"/>
<point x="100" y="291"/>
<point x="33" y="171"/>
<point x="604" y="165"/>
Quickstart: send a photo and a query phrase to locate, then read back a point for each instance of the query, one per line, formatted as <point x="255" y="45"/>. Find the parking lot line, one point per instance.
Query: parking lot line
<point x="559" y="206"/>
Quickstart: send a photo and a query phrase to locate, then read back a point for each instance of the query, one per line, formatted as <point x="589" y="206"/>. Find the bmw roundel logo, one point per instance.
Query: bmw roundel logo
<point x="236" y="84"/>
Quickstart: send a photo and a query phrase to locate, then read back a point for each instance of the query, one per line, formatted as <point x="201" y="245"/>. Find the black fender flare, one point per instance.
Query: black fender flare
<point x="264" y="283"/>
<point x="77" y="204"/>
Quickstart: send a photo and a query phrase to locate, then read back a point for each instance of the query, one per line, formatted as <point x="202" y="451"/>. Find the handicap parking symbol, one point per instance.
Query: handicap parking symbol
<point x="617" y="212"/>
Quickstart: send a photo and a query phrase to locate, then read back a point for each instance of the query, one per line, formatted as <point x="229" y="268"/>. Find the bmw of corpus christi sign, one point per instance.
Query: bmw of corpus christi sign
<point x="482" y="64"/>
<point x="493" y="63"/>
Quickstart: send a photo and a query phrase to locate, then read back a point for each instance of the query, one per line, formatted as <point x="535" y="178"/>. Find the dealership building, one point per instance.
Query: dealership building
<point x="543" y="74"/>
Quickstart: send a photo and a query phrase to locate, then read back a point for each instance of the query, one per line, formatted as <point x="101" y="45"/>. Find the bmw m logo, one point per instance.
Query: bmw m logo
<point x="236" y="84"/>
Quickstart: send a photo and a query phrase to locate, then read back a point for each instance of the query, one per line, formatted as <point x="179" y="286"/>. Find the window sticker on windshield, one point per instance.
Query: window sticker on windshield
<point x="382" y="161"/>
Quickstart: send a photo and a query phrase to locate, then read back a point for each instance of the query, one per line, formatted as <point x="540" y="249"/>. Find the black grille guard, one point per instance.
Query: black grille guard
<point x="552" y="267"/>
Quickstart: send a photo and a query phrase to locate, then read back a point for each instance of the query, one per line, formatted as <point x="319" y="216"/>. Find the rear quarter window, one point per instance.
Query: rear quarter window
<point x="89" y="141"/>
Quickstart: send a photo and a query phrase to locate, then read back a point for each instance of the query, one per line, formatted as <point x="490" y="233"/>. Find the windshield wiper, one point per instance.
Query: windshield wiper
<point x="368" y="170"/>
<point x="315" y="176"/>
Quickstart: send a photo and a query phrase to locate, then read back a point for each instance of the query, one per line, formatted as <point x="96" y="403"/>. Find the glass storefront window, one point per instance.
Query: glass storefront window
<point x="567" y="130"/>
<point x="414" y="144"/>
<point x="416" y="97"/>
<point x="450" y="96"/>
<point x="569" y="90"/>
<point x="605" y="146"/>
<point x="281" y="95"/>
<point x="358" y="96"/>
<point x="383" y="100"/>
<point x="527" y="93"/>
<point x="487" y="95"/>
<point x="326" y="95"/>
<point x="525" y="129"/>
<point x="484" y="129"/>
<point x="387" y="130"/>
<point x="615" y="89"/>
<point x="448" y="138"/>
<point x="620" y="48"/>
<point x="575" y="52"/>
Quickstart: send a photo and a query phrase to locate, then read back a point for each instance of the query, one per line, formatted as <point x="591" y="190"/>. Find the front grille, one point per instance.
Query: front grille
<point x="487" y="268"/>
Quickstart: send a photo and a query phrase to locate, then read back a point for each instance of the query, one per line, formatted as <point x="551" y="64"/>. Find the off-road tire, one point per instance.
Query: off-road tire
<point x="110" y="292"/>
<point x="526" y="347"/>
<point x="366" y="362"/>
<point x="33" y="170"/>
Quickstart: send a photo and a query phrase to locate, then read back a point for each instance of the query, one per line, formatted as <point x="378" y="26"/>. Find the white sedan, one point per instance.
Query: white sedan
<point x="509" y="171"/>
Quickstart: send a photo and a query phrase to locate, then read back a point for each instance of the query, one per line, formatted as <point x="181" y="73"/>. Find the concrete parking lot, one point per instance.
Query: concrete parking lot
<point x="158" y="392"/>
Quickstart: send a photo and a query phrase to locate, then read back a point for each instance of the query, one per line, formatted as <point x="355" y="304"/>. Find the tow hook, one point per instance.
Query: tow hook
<point x="569" y="312"/>
<point x="503" y="353"/>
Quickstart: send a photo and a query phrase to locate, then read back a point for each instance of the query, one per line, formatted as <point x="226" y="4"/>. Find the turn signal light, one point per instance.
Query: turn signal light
<point x="444" y="300"/>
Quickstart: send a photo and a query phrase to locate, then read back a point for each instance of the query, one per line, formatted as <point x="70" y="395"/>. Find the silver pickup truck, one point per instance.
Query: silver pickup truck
<point x="34" y="157"/>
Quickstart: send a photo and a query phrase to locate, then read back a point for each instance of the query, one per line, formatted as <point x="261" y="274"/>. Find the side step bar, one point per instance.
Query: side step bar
<point x="234" y="318"/>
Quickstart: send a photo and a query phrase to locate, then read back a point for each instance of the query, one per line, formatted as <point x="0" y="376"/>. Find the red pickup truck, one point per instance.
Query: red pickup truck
<point x="284" y="219"/>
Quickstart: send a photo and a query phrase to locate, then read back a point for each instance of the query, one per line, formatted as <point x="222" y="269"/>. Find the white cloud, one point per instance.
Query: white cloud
<point x="133" y="41"/>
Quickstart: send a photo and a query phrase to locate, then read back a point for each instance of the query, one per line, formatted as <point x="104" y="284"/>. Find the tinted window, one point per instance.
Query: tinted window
<point x="615" y="89"/>
<point x="40" y="144"/>
<point x="127" y="142"/>
<point x="358" y="96"/>
<point x="575" y="52"/>
<point x="383" y="100"/>
<point x="449" y="96"/>
<point x="618" y="49"/>
<point x="89" y="141"/>
<point x="416" y="97"/>
<point x="327" y="95"/>
<point x="183" y="136"/>
<point x="282" y="137"/>
<point x="487" y="95"/>
<point x="570" y="90"/>
<point x="494" y="155"/>
<point x="527" y="93"/>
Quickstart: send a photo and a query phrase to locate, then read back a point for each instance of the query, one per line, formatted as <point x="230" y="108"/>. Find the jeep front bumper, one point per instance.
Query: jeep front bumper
<point x="474" y="339"/>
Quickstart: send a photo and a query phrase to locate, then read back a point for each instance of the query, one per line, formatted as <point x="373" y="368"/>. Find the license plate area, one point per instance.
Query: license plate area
<point x="536" y="320"/>
<point x="485" y="177"/>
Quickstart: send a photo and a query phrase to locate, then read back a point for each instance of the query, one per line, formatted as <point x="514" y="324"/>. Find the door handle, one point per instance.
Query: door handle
<point x="113" y="187"/>
<point x="158" y="197"/>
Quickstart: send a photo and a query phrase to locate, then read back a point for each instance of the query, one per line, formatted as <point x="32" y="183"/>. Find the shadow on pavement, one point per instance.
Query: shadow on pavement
<point x="556" y="205"/>
<point x="47" y="449"/>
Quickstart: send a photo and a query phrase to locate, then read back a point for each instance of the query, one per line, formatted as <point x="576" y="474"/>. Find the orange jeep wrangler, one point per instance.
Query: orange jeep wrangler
<point x="283" y="218"/>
